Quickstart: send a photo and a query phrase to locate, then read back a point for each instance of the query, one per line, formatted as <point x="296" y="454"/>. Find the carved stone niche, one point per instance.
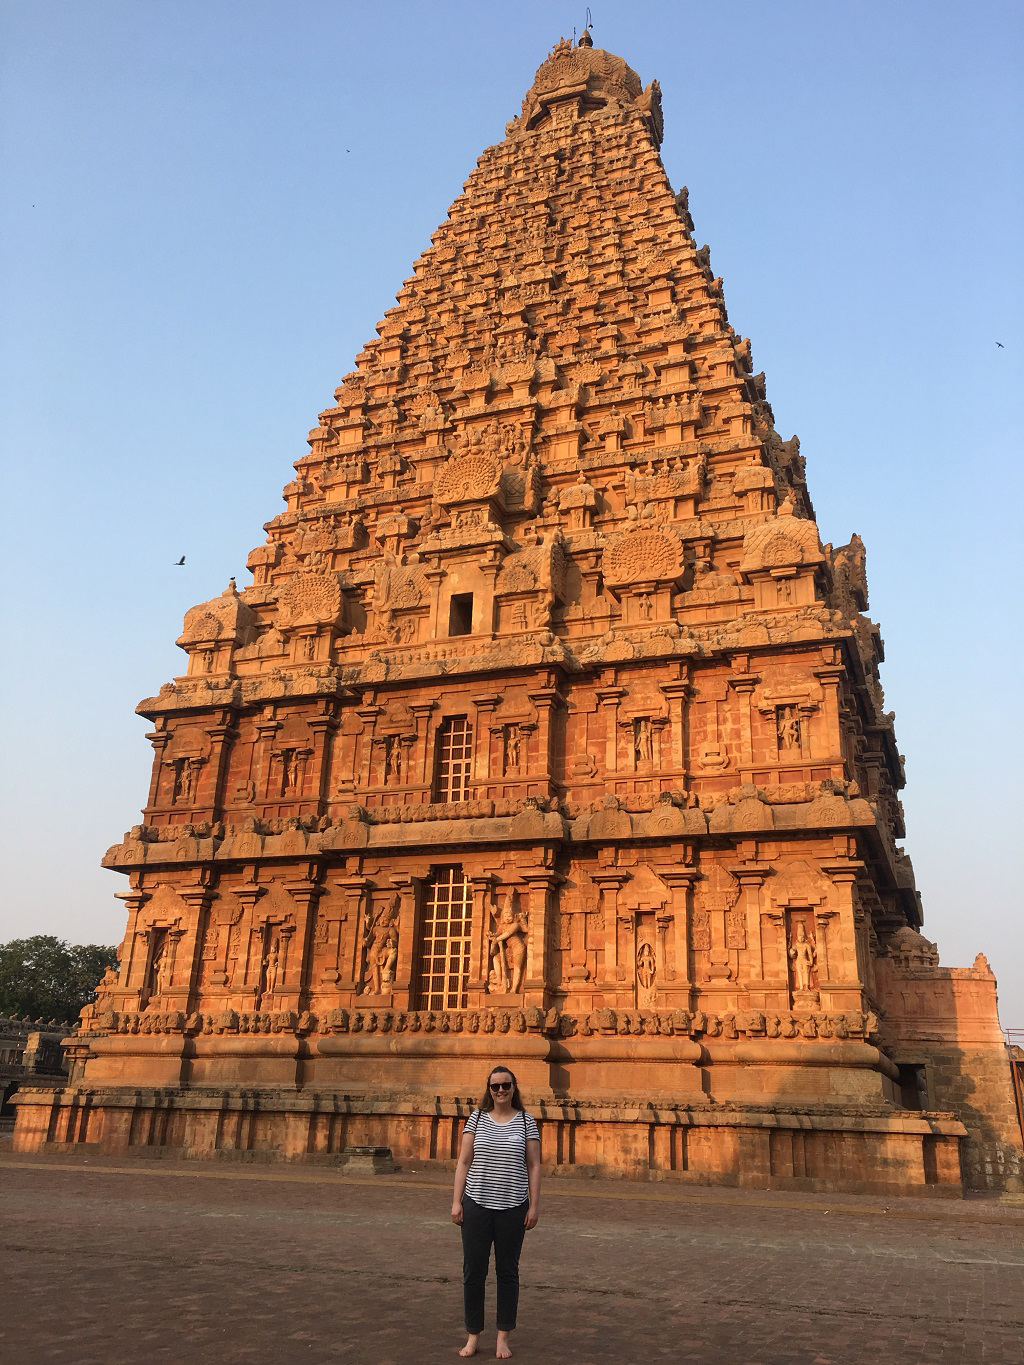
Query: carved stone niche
<point x="393" y="740"/>
<point x="798" y="897"/>
<point x="782" y="560"/>
<point x="184" y="756"/>
<point x="289" y="760"/>
<point x="643" y="729"/>
<point x="787" y="709"/>
<point x="644" y="929"/>
<point x="508" y="933"/>
<point x="153" y="969"/>
<point x="379" y="946"/>
<point x="213" y="630"/>
<point x="269" y="970"/>
<point x="512" y="725"/>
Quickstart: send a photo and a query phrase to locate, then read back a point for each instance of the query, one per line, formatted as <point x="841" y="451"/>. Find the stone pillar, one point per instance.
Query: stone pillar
<point x="483" y="909"/>
<point x="421" y="710"/>
<point x="368" y="715"/>
<point x="410" y="889"/>
<point x="610" y="881"/>
<point x="743" y="685"/>
<point x="323" y="728"/>
<point x="211" y="792"/>
<point x="187" y="949"/>
<point x="133" y="966"/>
<point x="266" y="728"/>
<point x="438" y="628"/>
<point x="159" y="740"/>
<point x="830" y="678"/>
<point x="240" y="977"/>
<point x="355" y="891"/>
<point x="608" y="698"/>
<point x="484" y="707"/>
<point x="546" y="700"/>
<point x="674" y="753"/>
<point x="296" y="944"/>
<point x="543" y="887"/>
<point x="751" y="877"/>
<point x="676" y="978"/>
<point x="839" y="980"/>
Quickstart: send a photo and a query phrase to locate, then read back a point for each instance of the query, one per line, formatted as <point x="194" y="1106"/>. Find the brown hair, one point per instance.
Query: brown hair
<point x="487" y="1103"/>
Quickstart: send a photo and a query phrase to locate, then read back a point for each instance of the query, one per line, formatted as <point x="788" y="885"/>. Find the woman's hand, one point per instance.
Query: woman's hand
<point x="532" y="1215"/>
<point x="457" y="1215"/>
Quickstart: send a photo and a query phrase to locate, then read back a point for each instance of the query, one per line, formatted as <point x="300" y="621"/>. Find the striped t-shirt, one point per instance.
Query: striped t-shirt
<point x="497" y="1178"/>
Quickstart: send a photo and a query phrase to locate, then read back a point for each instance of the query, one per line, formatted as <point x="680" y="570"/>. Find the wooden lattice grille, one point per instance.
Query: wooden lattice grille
<point x="454" y="759"/>
<point x="447" y="927"/>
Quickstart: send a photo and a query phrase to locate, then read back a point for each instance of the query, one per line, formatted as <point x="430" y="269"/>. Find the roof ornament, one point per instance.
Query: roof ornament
<point x="585" y="40"/>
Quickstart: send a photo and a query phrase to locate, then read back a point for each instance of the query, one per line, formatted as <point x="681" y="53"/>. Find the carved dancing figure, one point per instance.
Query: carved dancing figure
<point x="288" y="771"/>
<point x="508" y="947"/>
<point x="380" y="939"/>
<point x="789" y="728"/>
<point x="803" y="955"/>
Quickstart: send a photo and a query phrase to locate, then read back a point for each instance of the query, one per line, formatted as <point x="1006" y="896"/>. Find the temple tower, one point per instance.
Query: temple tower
<point x="548" y="732"/>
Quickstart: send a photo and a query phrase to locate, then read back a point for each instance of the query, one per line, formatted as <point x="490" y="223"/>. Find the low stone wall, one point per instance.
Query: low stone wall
<point x="899" y="1154"/>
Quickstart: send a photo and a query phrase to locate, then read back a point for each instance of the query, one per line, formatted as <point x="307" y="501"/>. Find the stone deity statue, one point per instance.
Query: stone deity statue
<point x="380" y="939"/>
<point x="512" y="749"/>
<point x="508" y="948"/>
<point x="643" y="744"/>
<point x="162" y="970"/>
<point x="803" y="955"/>
<point x="272" y="968"/>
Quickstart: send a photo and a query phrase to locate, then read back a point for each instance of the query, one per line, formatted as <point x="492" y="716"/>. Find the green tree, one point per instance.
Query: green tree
<point x="46" y="978"/>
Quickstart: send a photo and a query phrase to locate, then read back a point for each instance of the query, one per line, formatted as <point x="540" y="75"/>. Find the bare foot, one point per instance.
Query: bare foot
<point x="470" y="1347"/>
<point x="503" y="1351"/>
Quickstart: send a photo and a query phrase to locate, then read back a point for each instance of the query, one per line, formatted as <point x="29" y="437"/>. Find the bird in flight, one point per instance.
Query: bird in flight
<point x="178" y="562"/>
<point x="1000" y="345"/>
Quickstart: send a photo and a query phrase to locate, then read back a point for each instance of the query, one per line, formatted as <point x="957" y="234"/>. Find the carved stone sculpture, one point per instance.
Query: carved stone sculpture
<point x="507" y="941"/>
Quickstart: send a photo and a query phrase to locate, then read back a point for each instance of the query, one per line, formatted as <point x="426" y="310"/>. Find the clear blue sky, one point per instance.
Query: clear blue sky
<point x="207" y="206"/>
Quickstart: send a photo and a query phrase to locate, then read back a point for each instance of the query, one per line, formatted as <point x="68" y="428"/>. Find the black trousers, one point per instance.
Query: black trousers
<point x="481" y="1227"/>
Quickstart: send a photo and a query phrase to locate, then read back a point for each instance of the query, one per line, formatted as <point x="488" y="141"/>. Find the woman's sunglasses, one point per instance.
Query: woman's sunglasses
<point x="501" y="1085"/>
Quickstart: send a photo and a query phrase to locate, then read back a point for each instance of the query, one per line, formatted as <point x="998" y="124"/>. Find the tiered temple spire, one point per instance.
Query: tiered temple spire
<point x="548" y="716"/>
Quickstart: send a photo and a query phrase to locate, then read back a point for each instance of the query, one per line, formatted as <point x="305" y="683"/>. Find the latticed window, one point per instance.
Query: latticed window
<point x="454" y="759"/>
<point x="444" y="953"/>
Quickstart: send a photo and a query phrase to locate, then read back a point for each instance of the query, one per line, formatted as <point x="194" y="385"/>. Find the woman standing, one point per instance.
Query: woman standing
<point x="497" y="1200"/>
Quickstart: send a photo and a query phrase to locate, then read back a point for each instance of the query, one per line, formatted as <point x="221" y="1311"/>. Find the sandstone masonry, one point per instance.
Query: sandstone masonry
<point x="548" y="732"/>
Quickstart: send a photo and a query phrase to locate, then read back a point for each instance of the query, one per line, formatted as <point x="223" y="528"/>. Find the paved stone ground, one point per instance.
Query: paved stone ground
<point x="173" y="1261"/>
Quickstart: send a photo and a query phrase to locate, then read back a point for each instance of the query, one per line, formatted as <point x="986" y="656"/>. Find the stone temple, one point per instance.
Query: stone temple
<point x="548" y="732"/>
